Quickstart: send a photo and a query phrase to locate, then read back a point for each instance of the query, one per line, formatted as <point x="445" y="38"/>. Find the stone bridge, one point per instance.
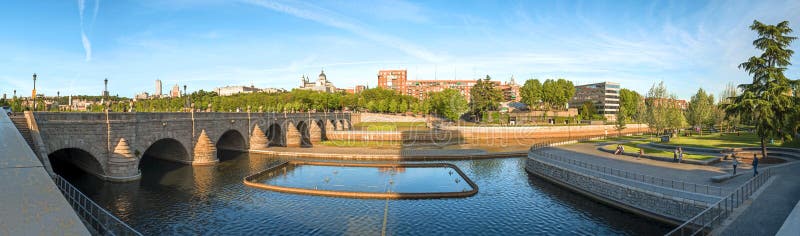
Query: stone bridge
<point x="111" y="145"/>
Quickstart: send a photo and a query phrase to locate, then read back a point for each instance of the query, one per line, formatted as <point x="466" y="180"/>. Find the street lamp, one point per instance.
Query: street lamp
<point x="34" y="91"/>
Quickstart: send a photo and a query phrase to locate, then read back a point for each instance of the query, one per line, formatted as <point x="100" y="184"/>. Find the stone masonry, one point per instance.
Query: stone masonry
<point x="117" y="141"/>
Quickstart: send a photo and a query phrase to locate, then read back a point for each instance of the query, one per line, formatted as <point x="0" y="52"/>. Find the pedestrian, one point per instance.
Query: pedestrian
<point x="675" y="155"/>
<point x="641" y="153"/>
<point x="755" y="165"/>
<point x="735" y="164"/>
<point x="680" y="154"/>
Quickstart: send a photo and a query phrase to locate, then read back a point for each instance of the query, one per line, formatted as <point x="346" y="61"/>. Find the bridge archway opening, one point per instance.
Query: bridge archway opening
<point x="231" y="140"/>
<point x="305" y="135"/>
<point x="230" y="145"/>
<point x="167" y="149"/>
<point x="276" y="136"/>
<point x="75" y="163"/>
<point x="334" y="124"/>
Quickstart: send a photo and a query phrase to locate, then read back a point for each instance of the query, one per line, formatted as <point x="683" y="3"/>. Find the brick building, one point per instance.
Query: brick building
<point x="398" y="80"/>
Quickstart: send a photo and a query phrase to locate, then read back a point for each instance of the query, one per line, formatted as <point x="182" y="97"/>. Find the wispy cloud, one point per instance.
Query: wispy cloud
<point x="326" y="17"/>
<point x="87" y="44"/>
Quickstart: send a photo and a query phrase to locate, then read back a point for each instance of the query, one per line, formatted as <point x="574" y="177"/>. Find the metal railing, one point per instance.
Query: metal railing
<point x="667" y="183"/>
<point x="98" y="219"/>
<point x="704" y="222"/>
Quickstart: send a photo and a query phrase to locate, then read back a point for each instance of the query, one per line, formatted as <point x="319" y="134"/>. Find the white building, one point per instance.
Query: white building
<point x="231" y="90"/>
<point x="158" y="88"/>
<point x="322" y="84"/>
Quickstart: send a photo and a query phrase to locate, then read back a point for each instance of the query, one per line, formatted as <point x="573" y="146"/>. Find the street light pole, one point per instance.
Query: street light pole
<point x="34" y="92"/>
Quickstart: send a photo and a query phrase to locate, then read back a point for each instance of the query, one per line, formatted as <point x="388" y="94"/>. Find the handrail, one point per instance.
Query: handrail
<point x="679" y="185"/>
<point x="704" y="222"/>
<point x="101" y="221"/>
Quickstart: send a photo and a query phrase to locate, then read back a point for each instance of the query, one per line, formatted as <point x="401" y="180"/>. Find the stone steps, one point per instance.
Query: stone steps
<point x="22" y="126"/>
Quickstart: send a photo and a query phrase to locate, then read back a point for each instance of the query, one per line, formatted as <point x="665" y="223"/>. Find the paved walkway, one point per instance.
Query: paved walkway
<point x="30" y="203"/>
<point x="769" y="210"/>
<point x="699" y="174"/>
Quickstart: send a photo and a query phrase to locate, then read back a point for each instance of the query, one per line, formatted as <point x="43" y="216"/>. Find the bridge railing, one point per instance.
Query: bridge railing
<point x="101" y="221"/>
<point x="712" y="217"/>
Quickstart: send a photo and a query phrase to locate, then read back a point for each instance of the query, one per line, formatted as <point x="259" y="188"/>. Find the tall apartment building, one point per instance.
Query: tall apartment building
<point x="158" y="88"/>
<point x="176" y="91"/>
<point x="604" y="96"/>
<point x="393" y="79"/>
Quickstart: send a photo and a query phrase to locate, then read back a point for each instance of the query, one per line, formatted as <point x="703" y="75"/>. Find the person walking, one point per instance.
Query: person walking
<point x="755" y="165"/>
<point x="680" y="154"/>
<point x="641" y="153"/>
<point x="735" y="164"/>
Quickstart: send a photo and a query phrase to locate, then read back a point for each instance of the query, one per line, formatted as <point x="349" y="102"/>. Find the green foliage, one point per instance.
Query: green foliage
<point x="630" y="101"/>
<point x="484" y="97"/>
<point x="587" y="111"/>
<point x="662" y="110"/>
<point x="619" y="125"/>
<point x="556" y="93"/>
<point x="767" y="102"/>
<point x="532" y="93"/>
<point x="448" y="103"/>
<point x="701" y="109"/>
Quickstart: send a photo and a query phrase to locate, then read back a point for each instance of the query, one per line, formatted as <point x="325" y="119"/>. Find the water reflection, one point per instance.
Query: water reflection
<point x="176" y="199"/>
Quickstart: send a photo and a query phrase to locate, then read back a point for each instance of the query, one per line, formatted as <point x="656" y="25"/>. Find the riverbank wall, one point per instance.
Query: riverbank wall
<point x="669" y="209"/>
<point x="486" y="135"/>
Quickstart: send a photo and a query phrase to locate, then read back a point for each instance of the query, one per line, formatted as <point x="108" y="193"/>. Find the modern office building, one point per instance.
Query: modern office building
<point x="604" y="96"/>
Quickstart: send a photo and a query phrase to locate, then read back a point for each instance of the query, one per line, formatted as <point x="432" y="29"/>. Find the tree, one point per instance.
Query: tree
<point x="726" y="98"/>
<point x="629" y="102"/>
<point x="620" y="123"/>
<point x="484" y="97"/>
<point x="767" y="101"/>
<point x="448" y="103"/>
<point x="700" y="109"/>
<point x="532" y="93"/>
<point x="662" y="110"/>
<point x="588" y="110"/>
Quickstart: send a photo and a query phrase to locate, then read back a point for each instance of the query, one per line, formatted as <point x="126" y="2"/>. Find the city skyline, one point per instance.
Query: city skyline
<point x="73" y="46"/>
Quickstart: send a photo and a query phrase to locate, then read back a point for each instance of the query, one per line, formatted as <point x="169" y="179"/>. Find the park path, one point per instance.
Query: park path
<point x="698" y="174"/>
<point x="768" y="211"/>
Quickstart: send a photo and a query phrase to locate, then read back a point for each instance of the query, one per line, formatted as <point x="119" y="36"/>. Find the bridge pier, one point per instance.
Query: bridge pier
<point x="258" y="140"/>
<point x="205" y="152"/>
<point x="122" y="165"/>
<point x="293" y="136"/>
<point x="314" y="132"/>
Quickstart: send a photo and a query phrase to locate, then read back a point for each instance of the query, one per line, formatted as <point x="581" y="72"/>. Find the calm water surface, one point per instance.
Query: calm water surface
<point x="367" y="179"/>
<point x="179" y="199"/>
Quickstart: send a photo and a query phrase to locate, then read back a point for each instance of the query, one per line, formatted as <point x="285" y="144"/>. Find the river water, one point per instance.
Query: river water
<point x="179" y="199"/>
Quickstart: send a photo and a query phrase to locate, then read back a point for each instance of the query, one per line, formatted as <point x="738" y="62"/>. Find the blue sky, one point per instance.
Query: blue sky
<point x="73" y="45"/>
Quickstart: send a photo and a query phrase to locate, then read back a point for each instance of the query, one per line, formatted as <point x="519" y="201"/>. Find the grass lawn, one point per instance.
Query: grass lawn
<point x="389" y="126"/>
<point x="378" y="144"/>
<point x="633" y="147"/>
<point x="727" y="141"/>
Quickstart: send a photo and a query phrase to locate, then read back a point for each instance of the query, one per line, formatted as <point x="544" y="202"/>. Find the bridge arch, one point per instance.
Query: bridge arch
<point x="276" y="135"/>
<point x="66" y="161"/>
<point x="232" y="140"/>
<point x="168" y="149"/>
<point x="305" y="136"/>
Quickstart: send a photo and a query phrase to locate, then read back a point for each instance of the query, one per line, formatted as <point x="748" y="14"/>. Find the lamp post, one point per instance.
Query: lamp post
<point x="34" y="92"/>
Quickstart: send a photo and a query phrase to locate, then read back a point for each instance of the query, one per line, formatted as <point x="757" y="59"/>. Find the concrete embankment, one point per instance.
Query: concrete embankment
<point x="482" y="134"/>
<point x="30" y="203"/>
<point x="662" y="204"/>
